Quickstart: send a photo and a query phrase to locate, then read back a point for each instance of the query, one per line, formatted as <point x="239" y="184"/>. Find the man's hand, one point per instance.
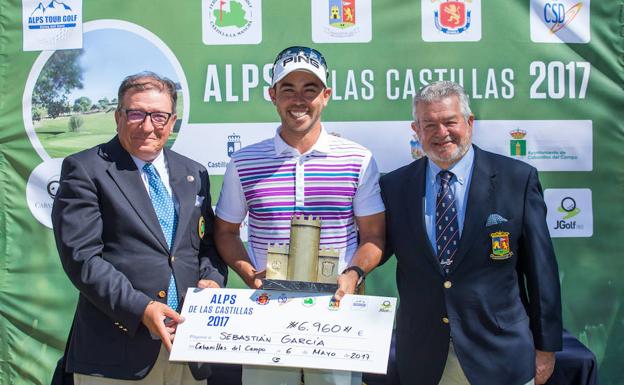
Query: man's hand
<point x="207" y="284"/>
<point x="154" y="317"/>
<point x="544" y="366"/>
<point x="347" y="284"/>
<point x="257" y="279"/>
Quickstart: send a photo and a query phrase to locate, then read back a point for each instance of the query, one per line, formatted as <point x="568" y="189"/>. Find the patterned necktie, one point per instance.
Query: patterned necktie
<point x="447" y="229"/>
<point x="168" y="219"/>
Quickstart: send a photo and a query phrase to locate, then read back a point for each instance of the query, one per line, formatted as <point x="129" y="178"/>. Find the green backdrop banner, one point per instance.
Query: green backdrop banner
<point x="545" y="79"/>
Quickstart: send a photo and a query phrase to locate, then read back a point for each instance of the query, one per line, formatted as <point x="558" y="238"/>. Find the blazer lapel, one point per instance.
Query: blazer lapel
<point x="414" y="193"/>
<point x="125" y="174"/>
<point x="184" y="190"/>
<point x="479" y="204"/>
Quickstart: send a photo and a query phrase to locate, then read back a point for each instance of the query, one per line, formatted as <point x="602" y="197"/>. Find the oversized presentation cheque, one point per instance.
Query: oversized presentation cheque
<point x="280" y="328"/>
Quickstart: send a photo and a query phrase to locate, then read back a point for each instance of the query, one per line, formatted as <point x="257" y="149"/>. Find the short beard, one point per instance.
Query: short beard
<point x="455" y="157"/>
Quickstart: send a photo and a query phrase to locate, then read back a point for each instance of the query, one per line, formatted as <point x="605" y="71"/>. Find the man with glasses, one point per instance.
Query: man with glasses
<point x="476" y="271"/>
<point x="133" y="226"/>
<point x="302" y="170"/>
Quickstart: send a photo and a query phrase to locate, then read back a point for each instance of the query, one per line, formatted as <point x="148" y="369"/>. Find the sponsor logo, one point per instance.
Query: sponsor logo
<point x="282" y="299"/>
<point x="308" y="301"/>
<point x="385" y="307"/>
<point x="560" y="21"/>
<point x="548" y="145"/>
<point x="452" y="17"/>
<point x="334" y="304"/>
<point x="53" y="14"/>
<point x="51" y="24"/>
<point x="342" y="13"/>
<point x="569" y="212"/>
<point x="263" y="299"/>
<point x="53" y="185"/>
<point x="341" y="21"/>
<point x="359" y="304"/>
<point x="41" y="188"/>
<point x="517" y="145"/>
<point x="451" y="20"/>
<point x="233" y="144"/>
<point x="231" y="22"/>
<point x="568" y="208"/>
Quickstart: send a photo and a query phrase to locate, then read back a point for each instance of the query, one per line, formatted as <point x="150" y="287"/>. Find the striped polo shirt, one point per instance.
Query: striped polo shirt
<point x="336" y="180"/>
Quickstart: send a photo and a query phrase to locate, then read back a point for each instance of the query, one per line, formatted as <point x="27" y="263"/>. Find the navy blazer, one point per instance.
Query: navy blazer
<point x="115" y="253"/>
<point x="497" y="312"/>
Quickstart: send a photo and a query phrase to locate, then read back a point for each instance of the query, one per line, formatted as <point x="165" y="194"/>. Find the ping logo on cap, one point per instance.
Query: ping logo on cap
<point x="299" y="59"/>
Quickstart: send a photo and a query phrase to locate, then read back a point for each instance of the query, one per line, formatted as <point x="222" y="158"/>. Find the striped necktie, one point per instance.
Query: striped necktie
<point x="447" y="229"/>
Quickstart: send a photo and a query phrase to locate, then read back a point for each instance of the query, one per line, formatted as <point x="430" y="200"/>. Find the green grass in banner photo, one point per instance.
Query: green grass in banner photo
<point x="59" y="140"/>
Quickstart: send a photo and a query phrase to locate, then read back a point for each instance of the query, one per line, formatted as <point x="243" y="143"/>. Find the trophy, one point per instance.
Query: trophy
<point x="302" y="265"/>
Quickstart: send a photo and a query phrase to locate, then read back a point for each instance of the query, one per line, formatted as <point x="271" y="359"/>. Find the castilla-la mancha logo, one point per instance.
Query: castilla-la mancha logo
<point x="231" y="22"/>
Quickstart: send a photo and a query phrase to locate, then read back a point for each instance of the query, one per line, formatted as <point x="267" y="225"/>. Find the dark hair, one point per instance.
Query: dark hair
<point x="148" y="80"/>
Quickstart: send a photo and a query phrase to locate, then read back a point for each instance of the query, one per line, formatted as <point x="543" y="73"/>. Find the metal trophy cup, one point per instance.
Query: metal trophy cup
<point x="301" y="265"/>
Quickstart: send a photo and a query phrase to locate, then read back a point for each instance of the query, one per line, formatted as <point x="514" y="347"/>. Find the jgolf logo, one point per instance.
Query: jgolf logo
<point x="569" y="212"/>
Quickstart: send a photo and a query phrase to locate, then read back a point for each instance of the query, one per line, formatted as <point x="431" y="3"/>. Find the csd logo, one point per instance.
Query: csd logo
<point x="554" y="13"/>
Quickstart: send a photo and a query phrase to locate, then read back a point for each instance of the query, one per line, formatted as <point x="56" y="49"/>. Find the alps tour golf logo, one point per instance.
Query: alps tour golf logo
<point x="51" y="24"/>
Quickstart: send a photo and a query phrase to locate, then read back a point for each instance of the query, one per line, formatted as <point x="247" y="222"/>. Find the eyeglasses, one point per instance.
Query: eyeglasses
<point x="158" y="119"/>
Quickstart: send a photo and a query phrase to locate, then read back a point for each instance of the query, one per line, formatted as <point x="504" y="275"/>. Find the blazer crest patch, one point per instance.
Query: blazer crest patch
<point x="500" y="245"/>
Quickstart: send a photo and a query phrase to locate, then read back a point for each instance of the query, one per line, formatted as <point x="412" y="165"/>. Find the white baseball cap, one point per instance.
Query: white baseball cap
<point x="299" y="58"/>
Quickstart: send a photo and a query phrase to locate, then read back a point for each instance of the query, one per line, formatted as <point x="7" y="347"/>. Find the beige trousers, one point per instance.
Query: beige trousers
<point x="453" y="373"/>
<point x="163" y="373"/>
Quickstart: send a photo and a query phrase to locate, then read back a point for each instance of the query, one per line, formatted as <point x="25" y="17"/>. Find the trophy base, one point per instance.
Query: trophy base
<point x="316" y="287"/>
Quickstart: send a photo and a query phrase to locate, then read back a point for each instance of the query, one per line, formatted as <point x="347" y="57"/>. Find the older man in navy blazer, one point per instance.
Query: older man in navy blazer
<point x="476" y="270"/>
<point x="133" y="226"/>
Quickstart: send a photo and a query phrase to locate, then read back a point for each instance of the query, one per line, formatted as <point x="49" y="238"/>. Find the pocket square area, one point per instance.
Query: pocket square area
<point x="199" y="200"/>
<point x="495" y="219"/>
